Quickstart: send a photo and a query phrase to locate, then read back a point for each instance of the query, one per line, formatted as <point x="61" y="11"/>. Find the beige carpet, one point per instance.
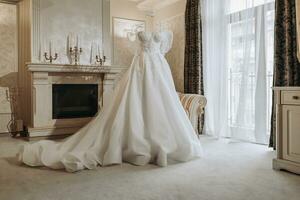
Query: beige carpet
<point x="229" y="171"/>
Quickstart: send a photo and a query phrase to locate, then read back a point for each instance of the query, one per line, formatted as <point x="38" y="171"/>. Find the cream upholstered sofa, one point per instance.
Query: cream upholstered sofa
<point x="194" y="105"/>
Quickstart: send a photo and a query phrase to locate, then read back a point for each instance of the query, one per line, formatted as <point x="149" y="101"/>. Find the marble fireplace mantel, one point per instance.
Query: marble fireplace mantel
<point x="46" y="67"/>
<point x="43" y="76"/>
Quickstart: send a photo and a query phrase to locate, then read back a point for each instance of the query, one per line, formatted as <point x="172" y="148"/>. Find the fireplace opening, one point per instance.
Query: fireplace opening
<point x="74" y="100"/>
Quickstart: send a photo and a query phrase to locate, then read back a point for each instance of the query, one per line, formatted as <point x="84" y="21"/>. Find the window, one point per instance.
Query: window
<point x="243" y="52"/>
<point x="238" y="5"/>
<point x="238" y="68"/>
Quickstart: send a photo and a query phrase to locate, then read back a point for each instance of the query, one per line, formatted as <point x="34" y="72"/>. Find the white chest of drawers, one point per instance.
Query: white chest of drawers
<point x="287" y="100"/>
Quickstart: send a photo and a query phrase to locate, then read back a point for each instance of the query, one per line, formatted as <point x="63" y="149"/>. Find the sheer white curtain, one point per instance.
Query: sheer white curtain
<point x="238" y="59"/>
<point x="215" y="30"/>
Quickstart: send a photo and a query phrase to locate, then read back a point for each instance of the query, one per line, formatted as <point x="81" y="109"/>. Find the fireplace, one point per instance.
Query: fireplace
<point x="76" y="92"/>
<point x="74" y="100"/>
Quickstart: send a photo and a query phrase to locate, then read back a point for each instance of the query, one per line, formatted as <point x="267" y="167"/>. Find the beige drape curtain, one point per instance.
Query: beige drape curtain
<point x="298" y="27"/>
<point x="286" y="63"/>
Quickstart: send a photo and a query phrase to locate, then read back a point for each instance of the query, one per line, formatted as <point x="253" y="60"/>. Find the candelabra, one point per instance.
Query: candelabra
<point x="76" y="52"/>
<point x="15" y="125"/>
<point x="50" y="57"/>
<point x="100" y="60"/>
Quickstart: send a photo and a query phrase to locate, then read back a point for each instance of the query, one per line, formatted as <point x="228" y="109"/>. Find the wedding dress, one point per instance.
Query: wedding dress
<point x="143" y="123"/>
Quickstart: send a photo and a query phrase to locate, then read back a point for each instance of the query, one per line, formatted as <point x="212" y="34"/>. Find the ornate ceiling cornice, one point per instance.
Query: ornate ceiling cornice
<point x="9" y="1"/>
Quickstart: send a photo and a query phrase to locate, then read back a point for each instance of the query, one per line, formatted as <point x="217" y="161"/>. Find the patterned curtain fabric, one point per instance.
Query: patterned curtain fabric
<point x="193" y="68"/>
<point x="286" y="65"/>
<point x="193" y="78"/>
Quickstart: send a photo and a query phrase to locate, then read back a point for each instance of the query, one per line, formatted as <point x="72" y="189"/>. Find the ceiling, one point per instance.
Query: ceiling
<point x="151" y="6"/>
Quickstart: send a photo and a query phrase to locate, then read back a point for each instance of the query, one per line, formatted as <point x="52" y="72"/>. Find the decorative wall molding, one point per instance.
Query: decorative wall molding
<point x="24" y="56"/>
<point x="36" y="30"/>
<point x="9" y="1"/>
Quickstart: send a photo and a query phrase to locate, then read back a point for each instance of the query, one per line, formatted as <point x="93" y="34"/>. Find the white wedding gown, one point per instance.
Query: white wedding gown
<point x="143" y="123"/>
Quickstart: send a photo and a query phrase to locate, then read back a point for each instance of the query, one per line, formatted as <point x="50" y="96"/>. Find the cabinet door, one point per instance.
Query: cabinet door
<point x="291" y="132"/>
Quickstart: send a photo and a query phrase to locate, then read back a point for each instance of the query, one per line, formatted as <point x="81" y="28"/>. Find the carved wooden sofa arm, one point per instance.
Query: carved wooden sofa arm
<point x="194" y="105"/>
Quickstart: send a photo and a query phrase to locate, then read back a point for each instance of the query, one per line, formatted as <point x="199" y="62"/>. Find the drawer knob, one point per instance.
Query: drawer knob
<point x="295" y="97"/>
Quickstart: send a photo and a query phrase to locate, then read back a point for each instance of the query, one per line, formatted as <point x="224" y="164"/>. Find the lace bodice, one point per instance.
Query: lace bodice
<point x="155" y="42"/>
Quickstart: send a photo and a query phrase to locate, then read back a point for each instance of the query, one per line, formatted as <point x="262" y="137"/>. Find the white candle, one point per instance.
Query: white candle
<point x="40" y="51"/>
<point x="77" y="41"/>
<point x="44" y="48"/>
<point x="71" y="40"/>
<point x="98" y="53"/>
<point x="50" y="48"/>
<point x="54" y="47"/>
<point x="92" y="53"/>
<point x="68" y="44"/>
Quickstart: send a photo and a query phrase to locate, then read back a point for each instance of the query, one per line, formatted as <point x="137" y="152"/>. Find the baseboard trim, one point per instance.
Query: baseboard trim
<point x="4" y="134"/>
<point x="279" y="164"/>
<point x="49" y="132"/>
<point x="49" y="137"/>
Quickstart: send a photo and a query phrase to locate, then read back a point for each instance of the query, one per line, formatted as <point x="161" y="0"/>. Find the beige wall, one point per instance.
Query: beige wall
<point x="172" y="18"/>
<point x="170" y="11"/>
<point x="8" y="61"/>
